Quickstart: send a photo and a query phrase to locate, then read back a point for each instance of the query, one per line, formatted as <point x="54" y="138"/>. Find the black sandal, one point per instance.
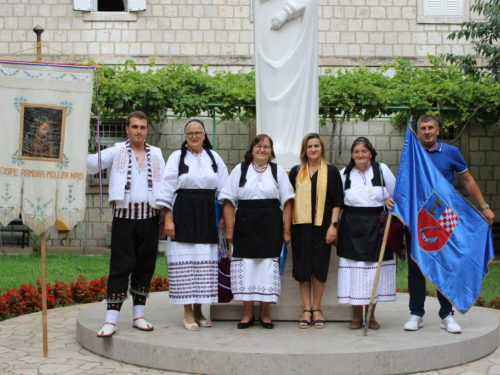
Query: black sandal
<point x="307" y="323"/>
<point x="320" y="321"/>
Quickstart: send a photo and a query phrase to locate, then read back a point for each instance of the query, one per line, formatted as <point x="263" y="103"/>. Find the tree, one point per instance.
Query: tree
<point x="356" y="93"/>
<point x="175" y="88"/>
<point x="459" y="101"/>
<point x="484" y="37"/>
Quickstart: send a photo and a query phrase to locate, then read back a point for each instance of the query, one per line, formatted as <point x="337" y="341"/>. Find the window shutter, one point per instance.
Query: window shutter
<point x="136" y="5"/>
<point x="84" y="5"/>
<point x="433" y="8"/>
<point x="446" y="8"/>
<point x="453" y="7"/>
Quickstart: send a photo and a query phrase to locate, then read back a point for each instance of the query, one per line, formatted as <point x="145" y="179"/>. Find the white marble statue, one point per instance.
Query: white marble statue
<point x="286" y="65"/>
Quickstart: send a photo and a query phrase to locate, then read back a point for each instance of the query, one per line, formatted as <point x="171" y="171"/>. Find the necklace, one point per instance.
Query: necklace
<point x="259" y="170"/>
<point x="363" y="175"/>
<point x="312" y="171"/>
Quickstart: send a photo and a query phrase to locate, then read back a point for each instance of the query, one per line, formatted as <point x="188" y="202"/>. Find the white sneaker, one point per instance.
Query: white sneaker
<point x="414" y="323"/>
<point x="450" y="324"/>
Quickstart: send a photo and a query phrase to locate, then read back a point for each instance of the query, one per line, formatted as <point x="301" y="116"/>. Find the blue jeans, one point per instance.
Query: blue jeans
<point x="416" y="286"/>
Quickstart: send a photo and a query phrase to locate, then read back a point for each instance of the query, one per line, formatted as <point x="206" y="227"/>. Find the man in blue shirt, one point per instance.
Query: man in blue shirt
<point x="448" y="160"/>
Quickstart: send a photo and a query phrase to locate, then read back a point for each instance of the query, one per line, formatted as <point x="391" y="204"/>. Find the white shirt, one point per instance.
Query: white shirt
<point x="361" y="195"/>
<point x="200" y="176"/>
<point x="264" y="187"/>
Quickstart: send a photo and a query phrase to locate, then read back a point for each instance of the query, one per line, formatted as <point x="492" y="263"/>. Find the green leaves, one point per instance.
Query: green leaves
<point x="485" y="36"/>
<point x="401" y="90"/>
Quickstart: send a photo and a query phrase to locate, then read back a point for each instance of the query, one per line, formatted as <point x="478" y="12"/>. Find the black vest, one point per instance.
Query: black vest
<point x="244" y="170"/>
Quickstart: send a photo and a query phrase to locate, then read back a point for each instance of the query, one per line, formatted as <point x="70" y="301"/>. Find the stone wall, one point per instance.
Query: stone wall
<point x="220" y="32"/>
<point x="481" y="148"/>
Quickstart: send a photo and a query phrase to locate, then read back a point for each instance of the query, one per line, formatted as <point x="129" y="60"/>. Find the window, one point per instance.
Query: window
<point x="109" y="5"/>
<point x="442" y="11"/>
<point x="111" y="132"/>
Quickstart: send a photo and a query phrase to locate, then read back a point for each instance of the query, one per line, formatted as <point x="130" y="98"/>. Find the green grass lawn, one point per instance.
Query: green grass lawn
<point x="490" y="289"/>
<point x="25" y="269"/>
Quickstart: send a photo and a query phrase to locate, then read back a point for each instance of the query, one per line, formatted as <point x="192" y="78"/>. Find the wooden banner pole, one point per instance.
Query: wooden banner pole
<point x="44" y="297"/>
<point x="375" y="282"/>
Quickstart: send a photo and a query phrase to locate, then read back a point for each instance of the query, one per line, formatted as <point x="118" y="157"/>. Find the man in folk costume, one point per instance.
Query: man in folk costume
<point x="136" y="171"/>
<point x="447" y="160"/>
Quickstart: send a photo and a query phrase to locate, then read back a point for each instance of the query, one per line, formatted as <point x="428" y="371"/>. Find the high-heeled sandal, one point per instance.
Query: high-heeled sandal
<point x="306" y="323"/>
<point x="320" y="321"/>
<point x="203" y="322"/>
<point x="190" y="326"/>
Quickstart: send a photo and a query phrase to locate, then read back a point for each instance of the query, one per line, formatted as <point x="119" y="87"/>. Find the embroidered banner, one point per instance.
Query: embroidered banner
<point x="43" y="148"/>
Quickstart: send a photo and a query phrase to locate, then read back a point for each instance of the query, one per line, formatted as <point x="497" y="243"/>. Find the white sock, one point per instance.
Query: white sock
<point x="112" y="316"/>
<point x="139" y="311"/>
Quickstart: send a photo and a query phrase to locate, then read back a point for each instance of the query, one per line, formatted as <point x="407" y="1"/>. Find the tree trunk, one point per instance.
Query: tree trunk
<point x="332" y="135"/>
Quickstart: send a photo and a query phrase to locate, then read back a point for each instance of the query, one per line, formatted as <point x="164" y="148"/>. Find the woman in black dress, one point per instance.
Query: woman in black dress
<point x="318" y="198"/>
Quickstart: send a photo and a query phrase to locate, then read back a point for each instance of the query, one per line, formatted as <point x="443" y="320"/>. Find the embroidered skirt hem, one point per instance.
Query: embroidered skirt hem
<point x="255" y="279"/>
<point x="355" y="282"/>
<point x="192" y="273"/>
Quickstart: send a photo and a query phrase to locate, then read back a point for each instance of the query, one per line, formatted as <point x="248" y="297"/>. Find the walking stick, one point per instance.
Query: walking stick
<point x="379" y="266"/>
<point x="44" y="297"/>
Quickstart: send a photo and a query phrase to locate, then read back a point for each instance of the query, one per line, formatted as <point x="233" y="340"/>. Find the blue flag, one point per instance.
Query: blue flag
<point x="451" y="241"/>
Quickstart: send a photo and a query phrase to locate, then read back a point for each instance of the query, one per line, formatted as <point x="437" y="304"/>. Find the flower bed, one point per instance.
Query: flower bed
<point x="28" y="298"/>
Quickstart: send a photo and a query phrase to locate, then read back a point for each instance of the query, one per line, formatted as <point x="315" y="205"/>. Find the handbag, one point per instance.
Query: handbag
<point x="282" y="260"/>
<point x="396" y="230"/>
<point x="224" y="292"/>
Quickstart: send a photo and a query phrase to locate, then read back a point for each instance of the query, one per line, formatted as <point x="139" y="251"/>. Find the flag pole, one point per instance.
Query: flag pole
<point x="44" y="297"/>
<point x="379" y="266"/>
<point x="38" y="31"/>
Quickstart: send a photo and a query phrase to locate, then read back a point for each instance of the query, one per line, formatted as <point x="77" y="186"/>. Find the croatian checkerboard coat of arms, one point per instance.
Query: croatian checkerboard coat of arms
<point x="436" y="223"/>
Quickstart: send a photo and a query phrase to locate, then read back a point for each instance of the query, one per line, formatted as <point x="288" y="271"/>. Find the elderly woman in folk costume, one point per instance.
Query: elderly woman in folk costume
<point x="258" y="227"/>
<point x="40" y="145"/>
<point x="318" y="198"/>
<point x="193" y="178"/>
<point x="368" y="187"/>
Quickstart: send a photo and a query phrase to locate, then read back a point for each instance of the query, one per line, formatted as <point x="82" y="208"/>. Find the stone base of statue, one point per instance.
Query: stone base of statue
<point x="289" y="306"/>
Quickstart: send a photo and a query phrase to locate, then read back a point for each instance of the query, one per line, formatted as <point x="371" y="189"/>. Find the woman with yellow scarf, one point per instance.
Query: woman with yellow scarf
<point x="318" y="198"/>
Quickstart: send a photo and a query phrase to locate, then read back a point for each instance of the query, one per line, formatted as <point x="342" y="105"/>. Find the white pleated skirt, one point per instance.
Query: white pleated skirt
<point x="192" y="273"/>
<point x="355" y="282"/>
<point x="255" y="279"/>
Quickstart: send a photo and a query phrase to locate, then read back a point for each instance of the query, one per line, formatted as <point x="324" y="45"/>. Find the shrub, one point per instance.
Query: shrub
<point x="28" y="298"/>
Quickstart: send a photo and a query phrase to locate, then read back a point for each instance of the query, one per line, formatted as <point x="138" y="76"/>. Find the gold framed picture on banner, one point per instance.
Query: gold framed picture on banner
<point x="41" y="135"/>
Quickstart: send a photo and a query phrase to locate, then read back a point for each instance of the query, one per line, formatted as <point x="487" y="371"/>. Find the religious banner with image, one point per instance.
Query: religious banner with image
<point x="43" y="148"/>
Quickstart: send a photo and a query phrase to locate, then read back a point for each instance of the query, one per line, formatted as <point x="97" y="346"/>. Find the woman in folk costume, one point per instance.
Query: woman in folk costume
<point x="318" y="198"/>
<point x="193" y="178"/>
<point x="368" y="187"/>
<point x="257" y="229"/>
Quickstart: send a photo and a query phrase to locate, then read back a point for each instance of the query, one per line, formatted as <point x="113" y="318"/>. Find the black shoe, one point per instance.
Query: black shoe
<point x="265" y="325"/>
<point x="250" y="323"/>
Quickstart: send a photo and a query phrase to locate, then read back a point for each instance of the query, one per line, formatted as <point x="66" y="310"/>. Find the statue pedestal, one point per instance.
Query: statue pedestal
<point x="289" y="306"/>
<point x="287" y="161"/>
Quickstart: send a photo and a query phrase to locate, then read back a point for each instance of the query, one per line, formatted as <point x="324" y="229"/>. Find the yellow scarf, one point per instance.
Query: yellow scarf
<point x="302" y="205"/>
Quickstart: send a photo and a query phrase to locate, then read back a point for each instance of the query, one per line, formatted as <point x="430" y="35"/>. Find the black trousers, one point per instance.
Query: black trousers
<point x="134" y="248"/>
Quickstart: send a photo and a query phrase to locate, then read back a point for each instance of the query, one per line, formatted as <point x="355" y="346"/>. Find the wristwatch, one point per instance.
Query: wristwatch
<point x="485" y="208"/>
<point x="335" y="224"/>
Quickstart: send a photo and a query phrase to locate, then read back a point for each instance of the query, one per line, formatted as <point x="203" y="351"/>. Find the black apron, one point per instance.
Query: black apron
<point x="360" y="234"/>
<point x="258" y="229"/>
<point x="194" y="216"/>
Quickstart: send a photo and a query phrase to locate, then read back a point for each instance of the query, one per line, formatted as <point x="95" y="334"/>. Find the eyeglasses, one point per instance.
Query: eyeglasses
<point x="192" y="134"/>
<point x="265" y="147"/>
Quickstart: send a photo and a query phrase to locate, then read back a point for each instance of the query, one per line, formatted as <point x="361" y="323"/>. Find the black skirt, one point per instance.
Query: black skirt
<point x="258" y="229"/>
<point x="360" y="234"/>
<point x="194" y="216"/>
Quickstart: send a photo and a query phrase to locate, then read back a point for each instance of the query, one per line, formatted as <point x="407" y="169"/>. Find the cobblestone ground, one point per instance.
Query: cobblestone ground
<point x="21" y="350"/>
